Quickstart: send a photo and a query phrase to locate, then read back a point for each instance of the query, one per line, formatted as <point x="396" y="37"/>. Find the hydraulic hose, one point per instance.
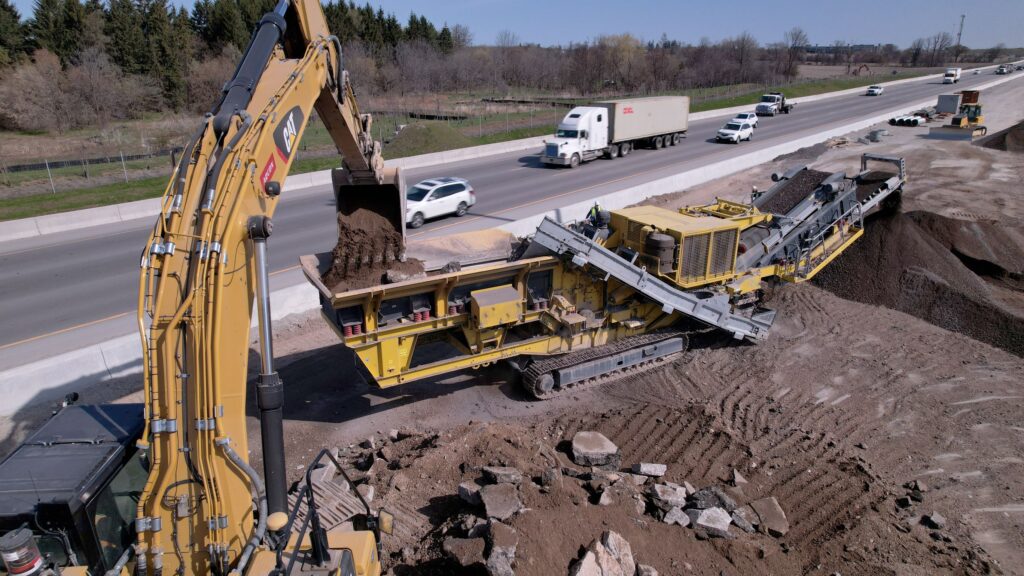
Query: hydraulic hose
<point x="261" y="505"/>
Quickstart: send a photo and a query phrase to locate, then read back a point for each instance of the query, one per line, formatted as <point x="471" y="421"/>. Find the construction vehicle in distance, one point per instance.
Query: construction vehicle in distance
<point x="967" y="123"/>
<point x="192" y="503"/>
<point x="577" y="303"/>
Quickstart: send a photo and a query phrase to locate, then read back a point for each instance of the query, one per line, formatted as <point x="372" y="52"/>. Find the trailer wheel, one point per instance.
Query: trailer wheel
<point x="574" y="162"/>
<point x="613" y="152"/>
<point x="625" y="148"/>
<point x="658" y="143"/>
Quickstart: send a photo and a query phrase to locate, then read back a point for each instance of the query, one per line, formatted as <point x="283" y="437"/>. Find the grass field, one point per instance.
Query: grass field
<point x="419" y="137"/>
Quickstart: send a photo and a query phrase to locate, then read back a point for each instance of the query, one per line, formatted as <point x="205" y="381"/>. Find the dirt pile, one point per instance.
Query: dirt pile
<point x="1008" y="140"/>
<point x="962" y="276"/>
<point x="368" y="249"/>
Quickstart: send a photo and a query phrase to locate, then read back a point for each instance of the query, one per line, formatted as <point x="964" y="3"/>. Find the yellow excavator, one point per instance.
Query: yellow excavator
<point x="205" y="266"/>
<point x="203" y="508"/>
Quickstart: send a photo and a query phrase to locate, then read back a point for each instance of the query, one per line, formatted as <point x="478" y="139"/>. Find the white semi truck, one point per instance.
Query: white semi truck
<point x="952" y="75"/>
<point x="613" y="128"/>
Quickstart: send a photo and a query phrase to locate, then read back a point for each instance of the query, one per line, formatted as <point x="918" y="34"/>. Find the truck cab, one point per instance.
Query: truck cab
<point x="773" y="103"/>
<point x="582" y="135"/>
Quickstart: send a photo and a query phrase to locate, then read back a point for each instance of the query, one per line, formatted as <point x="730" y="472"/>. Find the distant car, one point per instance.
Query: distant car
<point x="735" y="132"/>
<point x="875" y="90"/>
<point x="437" y="197"/>
<point x="748" y="117"/>
<point x="1002" y="70"/>
<point x="1019" y="67"/>
<point x="977" y="71"/>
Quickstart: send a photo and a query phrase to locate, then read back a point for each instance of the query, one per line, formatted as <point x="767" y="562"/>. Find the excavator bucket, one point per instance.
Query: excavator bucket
<point x="371" y="217"/>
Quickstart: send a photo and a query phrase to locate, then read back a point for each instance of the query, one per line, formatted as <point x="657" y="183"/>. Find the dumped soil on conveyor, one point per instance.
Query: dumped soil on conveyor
<point x="938" y="269"/>
<point x="368" y="249"/>
<point x="795" y="190"/>
<point x="871" y="182"/>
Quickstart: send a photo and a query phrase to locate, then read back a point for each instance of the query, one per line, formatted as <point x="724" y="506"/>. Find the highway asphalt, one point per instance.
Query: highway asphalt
<point x="80" y="287"/>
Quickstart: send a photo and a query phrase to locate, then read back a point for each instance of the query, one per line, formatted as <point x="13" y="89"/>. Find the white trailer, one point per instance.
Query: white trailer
<point x="952" y="75"/>
<point x="613" y="128"/>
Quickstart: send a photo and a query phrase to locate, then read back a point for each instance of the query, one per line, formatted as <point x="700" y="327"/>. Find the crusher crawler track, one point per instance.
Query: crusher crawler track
<point x="545" y="377"/>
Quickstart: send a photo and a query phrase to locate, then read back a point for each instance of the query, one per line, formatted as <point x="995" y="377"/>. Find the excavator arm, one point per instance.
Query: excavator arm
<point x="205" y="509"/>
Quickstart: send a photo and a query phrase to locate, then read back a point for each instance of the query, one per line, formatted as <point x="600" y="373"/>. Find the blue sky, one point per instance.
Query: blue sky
<point x="855" y="21"/>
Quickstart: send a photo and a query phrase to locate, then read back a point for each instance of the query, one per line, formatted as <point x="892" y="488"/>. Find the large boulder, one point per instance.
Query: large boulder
<point x="467" y="552"/>
<point x="667" y="496"/>
<point x="502" y="475"/>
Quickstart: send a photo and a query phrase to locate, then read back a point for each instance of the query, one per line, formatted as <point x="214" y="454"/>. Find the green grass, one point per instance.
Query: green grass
<point x="39" y="204"/>
<point x="94" y="170"/>
<point x="421" y="137"/>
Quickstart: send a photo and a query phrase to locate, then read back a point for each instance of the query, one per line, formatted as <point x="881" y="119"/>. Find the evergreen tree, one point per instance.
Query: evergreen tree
<point x="69" y="42"/>
<point x="126" y="43"/>
<point x="12" y="33"/>
<point x="200" y="20"/>
<point x="253" y="11"/>
<point x="445" y="43"/>
<point x="227" y="25"/>
<point x="45" y="26"/>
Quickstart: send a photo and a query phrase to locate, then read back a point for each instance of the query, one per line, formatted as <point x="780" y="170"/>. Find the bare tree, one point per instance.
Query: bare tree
<point x="461" y="36"/>
<point x="796" y="42"/>
<point x="994" y="53"/>
<point x="938" y="45"/>
<point x="916" y="52"/>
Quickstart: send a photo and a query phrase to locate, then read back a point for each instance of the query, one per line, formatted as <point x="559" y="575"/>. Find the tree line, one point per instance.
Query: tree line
<point x="87" y="63"/>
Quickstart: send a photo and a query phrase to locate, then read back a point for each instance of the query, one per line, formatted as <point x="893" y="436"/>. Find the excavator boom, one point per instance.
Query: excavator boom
<point x="204" y="267"/>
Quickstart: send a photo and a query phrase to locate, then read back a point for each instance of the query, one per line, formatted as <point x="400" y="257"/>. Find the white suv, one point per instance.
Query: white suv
<point x="874" y="90"/>
<point x="437" y="197"/>
<point x="735" y="132"/>
<point x="747" y="117"/>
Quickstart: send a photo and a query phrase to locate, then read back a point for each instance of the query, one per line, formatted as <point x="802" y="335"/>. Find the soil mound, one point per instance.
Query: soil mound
<point x="1008" y="140"/>
<point x="938" y="269"/>
<point x="368" y="248"/>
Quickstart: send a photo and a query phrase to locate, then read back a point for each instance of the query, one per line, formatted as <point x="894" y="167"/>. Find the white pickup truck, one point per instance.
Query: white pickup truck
<point x="773" y="103"/>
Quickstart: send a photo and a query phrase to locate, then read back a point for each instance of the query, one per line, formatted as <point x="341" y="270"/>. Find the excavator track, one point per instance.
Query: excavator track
<point x="546" y="377"/>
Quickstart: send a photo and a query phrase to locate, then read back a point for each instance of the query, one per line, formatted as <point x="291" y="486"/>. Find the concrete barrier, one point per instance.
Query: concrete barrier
<point x="17" y="229"/>
<point x="47" y="380"/>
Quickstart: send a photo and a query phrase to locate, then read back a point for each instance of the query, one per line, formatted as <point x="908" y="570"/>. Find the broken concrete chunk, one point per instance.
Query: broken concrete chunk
<point x="667" y="497"/>
<point x="502" y="475"/>
<point x="748" y="514"/>
<point x="608" y="563"/>
<point x="499" y="566"/>
<point x="737" y="478"/>
<point x="594" y="449"/>
<point x="935" y="521"/>
<point x="676" y="516"/>
<point x="771" y="517"/>
<point x="587" y="566"/>
<point x="620" y="550"/>
<point x="470" y="492"/>
<point x="503" y="540"/>
<point x="689" y="487"/>
<point x="741" y="522"/>
<point x="366" y="491"/>
<point x="370" y="443"/>
<point x="605" y="499"/>
<point x="501" y="501"/>
<point x="551" y="476"/>
<point x="904" y="502"/>
<point x="465" y="551"/>
<point x="714" y="519"/>
<point x="649" y="469"/>
<point x="712" y="497"/>
<point x="637" y="479"/>
<point x="645" y="570"/>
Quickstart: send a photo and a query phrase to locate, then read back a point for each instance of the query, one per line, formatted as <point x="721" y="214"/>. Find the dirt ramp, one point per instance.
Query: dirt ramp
<point x="368" y="248"/>
<point x="938" y="269"/>
<point x="1008" y="140"/>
